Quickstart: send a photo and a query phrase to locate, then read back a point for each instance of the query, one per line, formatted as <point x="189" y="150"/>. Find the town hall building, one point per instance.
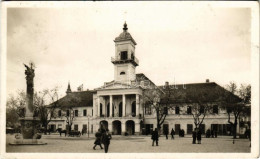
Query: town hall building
<point x="119" y="104"/>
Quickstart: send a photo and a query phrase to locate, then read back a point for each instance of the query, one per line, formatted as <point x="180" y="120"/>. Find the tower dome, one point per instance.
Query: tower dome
<point x="125" y="35"/>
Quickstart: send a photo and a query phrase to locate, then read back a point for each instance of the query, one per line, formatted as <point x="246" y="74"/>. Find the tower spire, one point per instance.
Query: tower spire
<point x="125" y="27"/>
<point x="68" y="89"/>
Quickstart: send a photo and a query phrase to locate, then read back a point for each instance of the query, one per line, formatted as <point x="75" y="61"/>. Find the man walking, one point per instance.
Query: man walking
<point x="199" y="137"/>
<point x="155" y="137"/>
<point x="106" y="137"/>
<point x="166" y="132"/>
<point x="194" y="136"/>
<point x="172" y="133"/>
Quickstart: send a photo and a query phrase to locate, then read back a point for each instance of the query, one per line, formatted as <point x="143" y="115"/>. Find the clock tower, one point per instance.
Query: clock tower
<point x="124" y="61"/>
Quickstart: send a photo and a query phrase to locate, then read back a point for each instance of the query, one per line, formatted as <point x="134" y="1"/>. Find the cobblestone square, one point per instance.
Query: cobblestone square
<point x="133" y="144"/>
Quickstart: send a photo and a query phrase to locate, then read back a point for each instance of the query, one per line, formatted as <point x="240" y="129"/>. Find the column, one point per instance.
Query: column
<point x="110" y="106"/>
<point x="137" y="129"/>
<point x="137" y="105"/>
<point x="110" y="127"/>
<point x="123" y="128"/>
<point x="98" y="106"/>
<point x="123" y="105"/>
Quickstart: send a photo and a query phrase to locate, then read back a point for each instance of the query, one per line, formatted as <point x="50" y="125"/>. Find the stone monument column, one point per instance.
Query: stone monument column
<point x="29" y="123"/>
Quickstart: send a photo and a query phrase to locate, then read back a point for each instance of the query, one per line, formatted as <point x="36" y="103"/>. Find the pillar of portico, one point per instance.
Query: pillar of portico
<point x="137" y="105"/>
<point x="110" y="105"/>
<point x="98" y="106"/>
<point x="123" y="128"/>
<point x="110" y="126"/>
<point x="137" y="128"/>
<point x="123" y="105"/>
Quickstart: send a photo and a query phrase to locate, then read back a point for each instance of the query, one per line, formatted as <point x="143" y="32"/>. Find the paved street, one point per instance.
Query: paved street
<point x="138" y="144"/>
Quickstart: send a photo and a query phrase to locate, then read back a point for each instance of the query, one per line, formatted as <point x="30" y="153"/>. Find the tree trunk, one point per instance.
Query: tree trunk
<point x="235" y="130"/>
<point x="45" y="129"/>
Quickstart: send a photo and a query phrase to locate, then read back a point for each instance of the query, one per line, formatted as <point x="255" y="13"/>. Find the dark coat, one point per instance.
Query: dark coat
<point x="199" y="135"/>
<point x="172" y="132"/>
<point x="106" y="137"/>
<point x="155" y="135"/>
<point x="194" y="135"/>
<point x="166" y="131"/>
<point x="98" y="138"/>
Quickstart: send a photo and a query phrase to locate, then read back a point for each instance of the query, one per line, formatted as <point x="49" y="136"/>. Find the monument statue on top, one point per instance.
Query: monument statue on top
<point x="29" y="123"/>
<point x="29" y="72"/>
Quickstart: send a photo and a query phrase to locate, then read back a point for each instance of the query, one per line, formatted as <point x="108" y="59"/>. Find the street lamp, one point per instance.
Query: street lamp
<point x="88" y="125"/>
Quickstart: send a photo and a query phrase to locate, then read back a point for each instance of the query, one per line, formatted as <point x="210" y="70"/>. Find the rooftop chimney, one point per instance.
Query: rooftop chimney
<point x="207" y="80"/>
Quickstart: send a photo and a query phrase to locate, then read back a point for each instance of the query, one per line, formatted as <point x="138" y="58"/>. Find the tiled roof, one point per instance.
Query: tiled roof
<point x="204" y="92"/>
<point x="77" y="99"/>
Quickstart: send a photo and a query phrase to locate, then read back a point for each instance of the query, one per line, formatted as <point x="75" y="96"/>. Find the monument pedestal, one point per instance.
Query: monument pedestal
<point x="29" y="132"/>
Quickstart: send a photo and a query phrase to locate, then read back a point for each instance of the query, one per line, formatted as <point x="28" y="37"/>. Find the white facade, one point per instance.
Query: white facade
<point x="127" y="112"/>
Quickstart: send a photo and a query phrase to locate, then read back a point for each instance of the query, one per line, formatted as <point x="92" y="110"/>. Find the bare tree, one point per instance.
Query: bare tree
<point x="46" y="112"/>
<point x="160" y="100"/>
<point x="235" y="101"/>
<point x="67" y="104"/>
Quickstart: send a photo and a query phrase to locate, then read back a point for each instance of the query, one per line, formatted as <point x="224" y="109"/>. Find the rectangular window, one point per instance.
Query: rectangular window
<point x="60" y="126"/>
<point x="148" y="110"/>
<point x="91" y="128"/>
<point x="189" y="128"/>
<point x="68" y="113"/>
<point x="76" y="113"/>
<point x="92" y="112"/>
<point x="177" y="110"/>
<point x="84" y="112"/>
<point x="189" y="110"/>
<point x="124" y="55"/>
<point x="202" y="110"/>
<point x="76" y="127"/>
<point x="59" y="113"/>
<point x="215" y="109"/>
<point x="177" y="128"/>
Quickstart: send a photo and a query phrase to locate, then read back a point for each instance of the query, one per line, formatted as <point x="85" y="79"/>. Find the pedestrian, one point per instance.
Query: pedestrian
<point x="106" y="137"/>
<point x="166" y="132"/>
<point x="208" y="134"/>
<point x="194" y="136"/>
<point x="199" y="136"/>
<point x="212" y="133"/>
<point x="155" y="137"/>
<point x="98" y="139"/>
<point x="82" y="131"/>
<point x="172" y="133"/>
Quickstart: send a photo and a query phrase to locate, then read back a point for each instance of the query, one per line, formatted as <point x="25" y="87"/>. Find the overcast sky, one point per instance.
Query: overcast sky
<point x="188" y="44"/>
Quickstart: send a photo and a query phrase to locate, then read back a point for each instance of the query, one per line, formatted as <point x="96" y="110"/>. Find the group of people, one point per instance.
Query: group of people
<point x="196" y="135"/>
<point x="211" y="133"/>
<point x="102" y="137"/>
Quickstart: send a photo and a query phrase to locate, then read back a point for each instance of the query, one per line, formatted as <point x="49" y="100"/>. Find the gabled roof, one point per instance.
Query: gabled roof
<point x="204" y="92"/>
<point x="76" y="99"/>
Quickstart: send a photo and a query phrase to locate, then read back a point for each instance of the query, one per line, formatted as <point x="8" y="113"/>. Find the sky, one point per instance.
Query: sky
<point x="178" y="43"/>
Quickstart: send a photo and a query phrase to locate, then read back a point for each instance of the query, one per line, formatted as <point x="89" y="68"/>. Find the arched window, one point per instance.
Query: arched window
<point x="189" y="110"/>
<point x="177" y="110"/>
<point x="122" y="73"/>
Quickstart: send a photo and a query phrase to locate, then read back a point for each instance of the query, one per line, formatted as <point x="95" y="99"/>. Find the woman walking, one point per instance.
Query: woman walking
<point x="98" y="140"/>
